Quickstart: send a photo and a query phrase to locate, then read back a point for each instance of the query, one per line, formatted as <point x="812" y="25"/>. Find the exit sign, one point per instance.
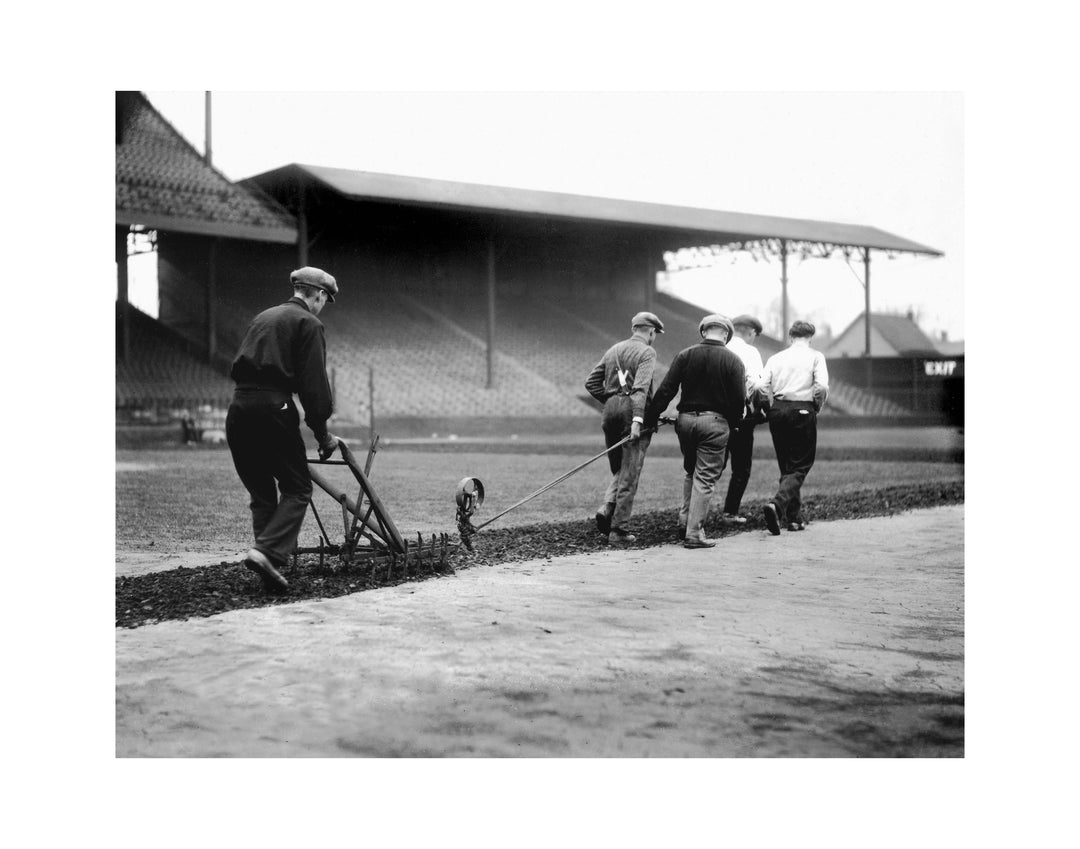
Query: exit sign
<point x="939" y="368"/>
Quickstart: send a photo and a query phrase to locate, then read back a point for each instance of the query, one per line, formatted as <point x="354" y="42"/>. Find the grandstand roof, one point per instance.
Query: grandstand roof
<point x="164" y="183"/>
<point x="725" y="226"/>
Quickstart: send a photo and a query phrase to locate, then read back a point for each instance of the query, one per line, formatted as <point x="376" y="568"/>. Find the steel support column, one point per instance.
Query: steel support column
<point x="123" y="341"/>
<point x="211" y="302"/>
<point x="301" y="225"/>
<point x="866" y="318"/>
<point x="491" y="312"/>
<point x="650" y="279"/>
<point x="783" y="289"/>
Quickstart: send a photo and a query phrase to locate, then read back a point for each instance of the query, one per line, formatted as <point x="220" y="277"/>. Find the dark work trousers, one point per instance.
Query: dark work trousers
<point x="703" y="439"/>
<point x="740" y="453"/>
<point x="625" y="462"/>
<point x="793" y="425"/>
<point x="263" y="431"/>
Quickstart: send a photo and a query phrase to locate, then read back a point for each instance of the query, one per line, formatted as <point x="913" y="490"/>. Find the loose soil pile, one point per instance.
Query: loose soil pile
<point x="188" y="593"/>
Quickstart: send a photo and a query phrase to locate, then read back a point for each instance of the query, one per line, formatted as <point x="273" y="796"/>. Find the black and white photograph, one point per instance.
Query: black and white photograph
<point x="576" y="451"/>
<point x="539" y="426"/>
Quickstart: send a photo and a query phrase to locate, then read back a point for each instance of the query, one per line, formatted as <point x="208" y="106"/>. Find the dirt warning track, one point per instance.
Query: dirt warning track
<point x="843" y="640"/>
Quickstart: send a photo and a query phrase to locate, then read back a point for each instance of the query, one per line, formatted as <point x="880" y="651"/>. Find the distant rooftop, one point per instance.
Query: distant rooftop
<point x="899" y="332"/>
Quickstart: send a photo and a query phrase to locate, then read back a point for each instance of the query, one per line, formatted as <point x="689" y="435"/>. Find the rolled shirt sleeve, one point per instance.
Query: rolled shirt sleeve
<point x="643" y="376"/>
<point x="821" y="379"/>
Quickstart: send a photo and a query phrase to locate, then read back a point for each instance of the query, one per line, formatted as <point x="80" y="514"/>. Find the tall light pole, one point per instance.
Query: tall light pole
<point x="209" y="155"/>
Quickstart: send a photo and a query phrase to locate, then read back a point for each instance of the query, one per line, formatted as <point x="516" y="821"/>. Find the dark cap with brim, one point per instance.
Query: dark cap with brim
<point x="716" y="320"/>
<point x="647" y="319"/>
<point x="316" y="277"/>
<point x="747" y="321"/>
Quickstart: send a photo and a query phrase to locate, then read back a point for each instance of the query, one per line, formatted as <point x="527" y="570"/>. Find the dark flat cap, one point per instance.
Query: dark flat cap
<point x="316" y="277"/>
<point x="716" y="320"/>
<point x="745" y="320"/>
<point x="647" y="319"/>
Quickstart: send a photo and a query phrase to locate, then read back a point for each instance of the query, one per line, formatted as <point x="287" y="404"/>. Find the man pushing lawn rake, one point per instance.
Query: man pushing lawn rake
<point x="283" y="352"/>
<point x="622" y="382"/>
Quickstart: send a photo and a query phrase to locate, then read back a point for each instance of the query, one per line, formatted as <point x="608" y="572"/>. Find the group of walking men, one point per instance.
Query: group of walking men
<point x="725" y="391"/>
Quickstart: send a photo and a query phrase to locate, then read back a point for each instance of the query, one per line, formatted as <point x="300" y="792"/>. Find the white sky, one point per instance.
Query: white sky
<point x="889" y="160"/>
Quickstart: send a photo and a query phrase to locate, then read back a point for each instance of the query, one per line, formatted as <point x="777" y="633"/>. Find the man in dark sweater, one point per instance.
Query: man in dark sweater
<point x="284" y="352"/>
<point x="713" y="383"/>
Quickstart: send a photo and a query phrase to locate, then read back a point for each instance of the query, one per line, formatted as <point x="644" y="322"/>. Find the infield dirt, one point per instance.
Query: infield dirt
<point x="807" y="644"/>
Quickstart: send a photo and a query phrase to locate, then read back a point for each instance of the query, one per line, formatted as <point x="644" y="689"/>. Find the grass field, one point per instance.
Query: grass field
<point x="177" y="500"/>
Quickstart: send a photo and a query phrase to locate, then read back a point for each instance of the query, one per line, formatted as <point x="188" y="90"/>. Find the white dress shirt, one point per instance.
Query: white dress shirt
<point x="795" y="373"/>
<point x="751" y="360"/>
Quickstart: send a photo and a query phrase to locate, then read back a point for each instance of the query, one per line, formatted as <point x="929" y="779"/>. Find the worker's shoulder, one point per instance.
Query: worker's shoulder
<point x="631" y="345"/>
<point x="291" y="312"/>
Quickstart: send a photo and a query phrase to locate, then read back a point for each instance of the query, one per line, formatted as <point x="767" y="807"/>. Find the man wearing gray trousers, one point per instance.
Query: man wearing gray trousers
<point x="622" y="382"/>
<point x="712" y="380"/>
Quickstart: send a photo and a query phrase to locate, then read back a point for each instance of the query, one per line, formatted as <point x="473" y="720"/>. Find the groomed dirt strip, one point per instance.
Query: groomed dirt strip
<point x="185" y="593"/>
<point x="843" y="640"/>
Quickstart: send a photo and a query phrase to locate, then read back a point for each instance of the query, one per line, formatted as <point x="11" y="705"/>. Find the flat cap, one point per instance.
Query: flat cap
<point x="716" y="320"/>
<point x="316" y="277"/>
<point x="647" y="319"/>
<point x="745" y="320"/>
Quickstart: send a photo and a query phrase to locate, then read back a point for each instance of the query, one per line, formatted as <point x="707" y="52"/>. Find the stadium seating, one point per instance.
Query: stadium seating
<point x="427" y="355"/>
<point x="162" y="377"/>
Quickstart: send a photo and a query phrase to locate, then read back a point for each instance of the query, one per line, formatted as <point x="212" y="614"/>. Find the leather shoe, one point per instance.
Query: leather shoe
<point x="603" y="520"/>
<point x="772" y="519"/>
<point x="699" y="543"/>
<point x="272" y="579"/>
<point x="620" y="538"/>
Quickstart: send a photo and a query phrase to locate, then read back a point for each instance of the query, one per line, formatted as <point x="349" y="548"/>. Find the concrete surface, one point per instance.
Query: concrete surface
<point x="844" y="640"/>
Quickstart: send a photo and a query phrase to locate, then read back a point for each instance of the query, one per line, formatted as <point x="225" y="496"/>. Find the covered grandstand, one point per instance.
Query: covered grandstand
<point x="176" y="201"/>
<point x="459" y="302"/>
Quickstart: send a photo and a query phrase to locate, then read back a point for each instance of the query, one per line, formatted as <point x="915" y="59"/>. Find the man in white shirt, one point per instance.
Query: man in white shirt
<point x="797" y="381"/>
<point x="741" y="442"/>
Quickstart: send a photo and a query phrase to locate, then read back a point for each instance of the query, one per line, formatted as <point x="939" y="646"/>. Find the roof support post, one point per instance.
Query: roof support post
<point x="211" y="302"/>
<point x="491" y="312"/>
<point x="783" y="288"/>
<point x="301" y="225"/>
<point x="650" y="278"/>
<point x="123" y="315"/>
<point x="866" y="318"/>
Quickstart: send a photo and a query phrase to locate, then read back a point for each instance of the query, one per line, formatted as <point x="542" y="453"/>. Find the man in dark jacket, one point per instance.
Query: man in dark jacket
<point x="283" y="353"/>
<point x="713" y="382"/>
